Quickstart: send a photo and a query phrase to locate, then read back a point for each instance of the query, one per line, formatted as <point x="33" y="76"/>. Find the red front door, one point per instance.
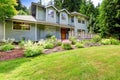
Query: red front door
<point x="63" y="33"/>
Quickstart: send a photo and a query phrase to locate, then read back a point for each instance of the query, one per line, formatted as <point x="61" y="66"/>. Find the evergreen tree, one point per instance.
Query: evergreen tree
<point x="70" y="5"/>
<point x="109" y="19"/>
<point x="87" y="8"/>
<point x="21" y="8"/>
<point x="58" y="4"/>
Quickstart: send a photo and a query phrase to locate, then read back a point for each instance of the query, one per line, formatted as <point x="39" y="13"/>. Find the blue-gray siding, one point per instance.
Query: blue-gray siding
<point x="43" y="31"/>
<point x="65" y="21"/>
<point x="49" y="18"/>
<point x="19" y="34"/>
<point x="40" y="14"/>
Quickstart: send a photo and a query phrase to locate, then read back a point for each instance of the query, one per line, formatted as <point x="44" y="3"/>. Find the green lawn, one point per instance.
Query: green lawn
<point x="95" y="63"/>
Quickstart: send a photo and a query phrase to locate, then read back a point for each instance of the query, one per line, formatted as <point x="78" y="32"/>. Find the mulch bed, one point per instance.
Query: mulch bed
<point x="18" y="53"/>
<point x="56" y="49"/>
<point x="12" y="54"/>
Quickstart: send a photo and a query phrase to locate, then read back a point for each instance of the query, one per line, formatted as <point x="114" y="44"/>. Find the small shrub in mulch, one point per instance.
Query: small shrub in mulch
<point x="32" y="49"/>
<point x="48" y="45"/>
<point x="7" y="47"/>
<point x="66" y="45"/>
<point x="79" y="45"/>
<point x="73" y="40"/>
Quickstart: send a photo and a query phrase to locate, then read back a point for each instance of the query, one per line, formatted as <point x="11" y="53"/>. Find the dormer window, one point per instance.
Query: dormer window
<point x="79" y="20"/>
<point x="72" y="19"/>
<point x="83" y="22"/>
<point x="63" y="16"/>
<point x="51" y="13"/>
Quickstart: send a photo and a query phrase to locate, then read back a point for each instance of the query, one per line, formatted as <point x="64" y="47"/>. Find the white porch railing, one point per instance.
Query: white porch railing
<point x="82" y="36"/>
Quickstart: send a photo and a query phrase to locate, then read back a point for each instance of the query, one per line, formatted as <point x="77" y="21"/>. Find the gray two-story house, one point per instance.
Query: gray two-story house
<point x="44" y="21"/>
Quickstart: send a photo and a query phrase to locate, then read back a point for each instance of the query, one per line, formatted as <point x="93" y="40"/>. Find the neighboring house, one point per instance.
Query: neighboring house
<point x="44" y="21"/>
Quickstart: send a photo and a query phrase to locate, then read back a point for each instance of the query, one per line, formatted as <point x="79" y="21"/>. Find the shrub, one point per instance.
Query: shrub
<point x="73" y="40"/>
<point x="96" y="39"/>
<point x="79" y="45"/>
<point x="115" y="41"/>
<point x="48" y="36"/>
<point x="7" y="47"/>
<point x="48" y="45"/>
<point x="22" y="43"/>
<point x="105" y="41"/>
<point x="32" y="49"/>
<point x="59" y="43"/>
<point x="66" y="45"/>
<point x="110" y="41"/>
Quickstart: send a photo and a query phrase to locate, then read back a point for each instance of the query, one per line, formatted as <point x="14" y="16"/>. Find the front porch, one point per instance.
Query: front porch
<point x="44" y="31"/>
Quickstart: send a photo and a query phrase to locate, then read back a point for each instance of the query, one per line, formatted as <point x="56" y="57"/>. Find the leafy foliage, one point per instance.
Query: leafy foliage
<point x="7" y="8"/>
<point x="73" y="40"/>
<point x="66" y="45"/>
<point x="79" y="45"/>
<point x="96" y="39"/>
<point x="110" y="41"/>
<point x="22" y="10"/>
<point x="109" y="18"/>
<point x="48" y="45"/>
<point x="70" y="5"/>
<point x="7" y="47"/>
<point x="32" y="49"/>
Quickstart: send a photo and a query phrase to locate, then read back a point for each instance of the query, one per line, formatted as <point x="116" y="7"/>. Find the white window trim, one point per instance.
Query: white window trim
<point x="21" y="29"/>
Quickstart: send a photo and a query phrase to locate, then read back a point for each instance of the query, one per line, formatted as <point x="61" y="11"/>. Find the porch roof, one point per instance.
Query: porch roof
<point x="27" y="18"/>
<point x="54" y="24"/>
<point x="79" y="14"/>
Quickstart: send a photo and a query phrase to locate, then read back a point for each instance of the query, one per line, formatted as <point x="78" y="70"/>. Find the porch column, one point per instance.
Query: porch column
<point x="35" y="31"/>
<point x="4" y="31"/>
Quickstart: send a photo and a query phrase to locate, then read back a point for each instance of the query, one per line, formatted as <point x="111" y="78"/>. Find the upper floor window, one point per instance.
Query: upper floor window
<point x="79" y="20"/>
<point x="21" y="26"/>
<point x="83" y="22"/>
<point x="51" y="13"/>
<point x="72" y="19"/>
<point x="63" y="16"/>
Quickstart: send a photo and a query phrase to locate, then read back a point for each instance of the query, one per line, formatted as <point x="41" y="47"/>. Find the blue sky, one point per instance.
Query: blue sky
<point x="28" y="2"/>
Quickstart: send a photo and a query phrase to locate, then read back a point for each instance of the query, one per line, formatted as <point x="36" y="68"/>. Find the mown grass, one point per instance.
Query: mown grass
<point x="95" y="63"/>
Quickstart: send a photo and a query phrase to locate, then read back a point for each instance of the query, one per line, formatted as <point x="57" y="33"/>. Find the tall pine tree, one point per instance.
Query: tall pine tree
<point x="109" y="19"/>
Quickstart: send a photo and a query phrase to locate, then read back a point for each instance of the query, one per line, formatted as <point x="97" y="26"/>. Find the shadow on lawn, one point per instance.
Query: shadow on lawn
<point x="8" y="66"/>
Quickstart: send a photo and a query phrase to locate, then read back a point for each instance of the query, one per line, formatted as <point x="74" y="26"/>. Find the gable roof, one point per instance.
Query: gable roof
<point x="79" y="14"/>
<point x="52" y="6"/>
<point x="37" y="4"/>
<point x="64" y="10"/>
<point x="24" y="18"/>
